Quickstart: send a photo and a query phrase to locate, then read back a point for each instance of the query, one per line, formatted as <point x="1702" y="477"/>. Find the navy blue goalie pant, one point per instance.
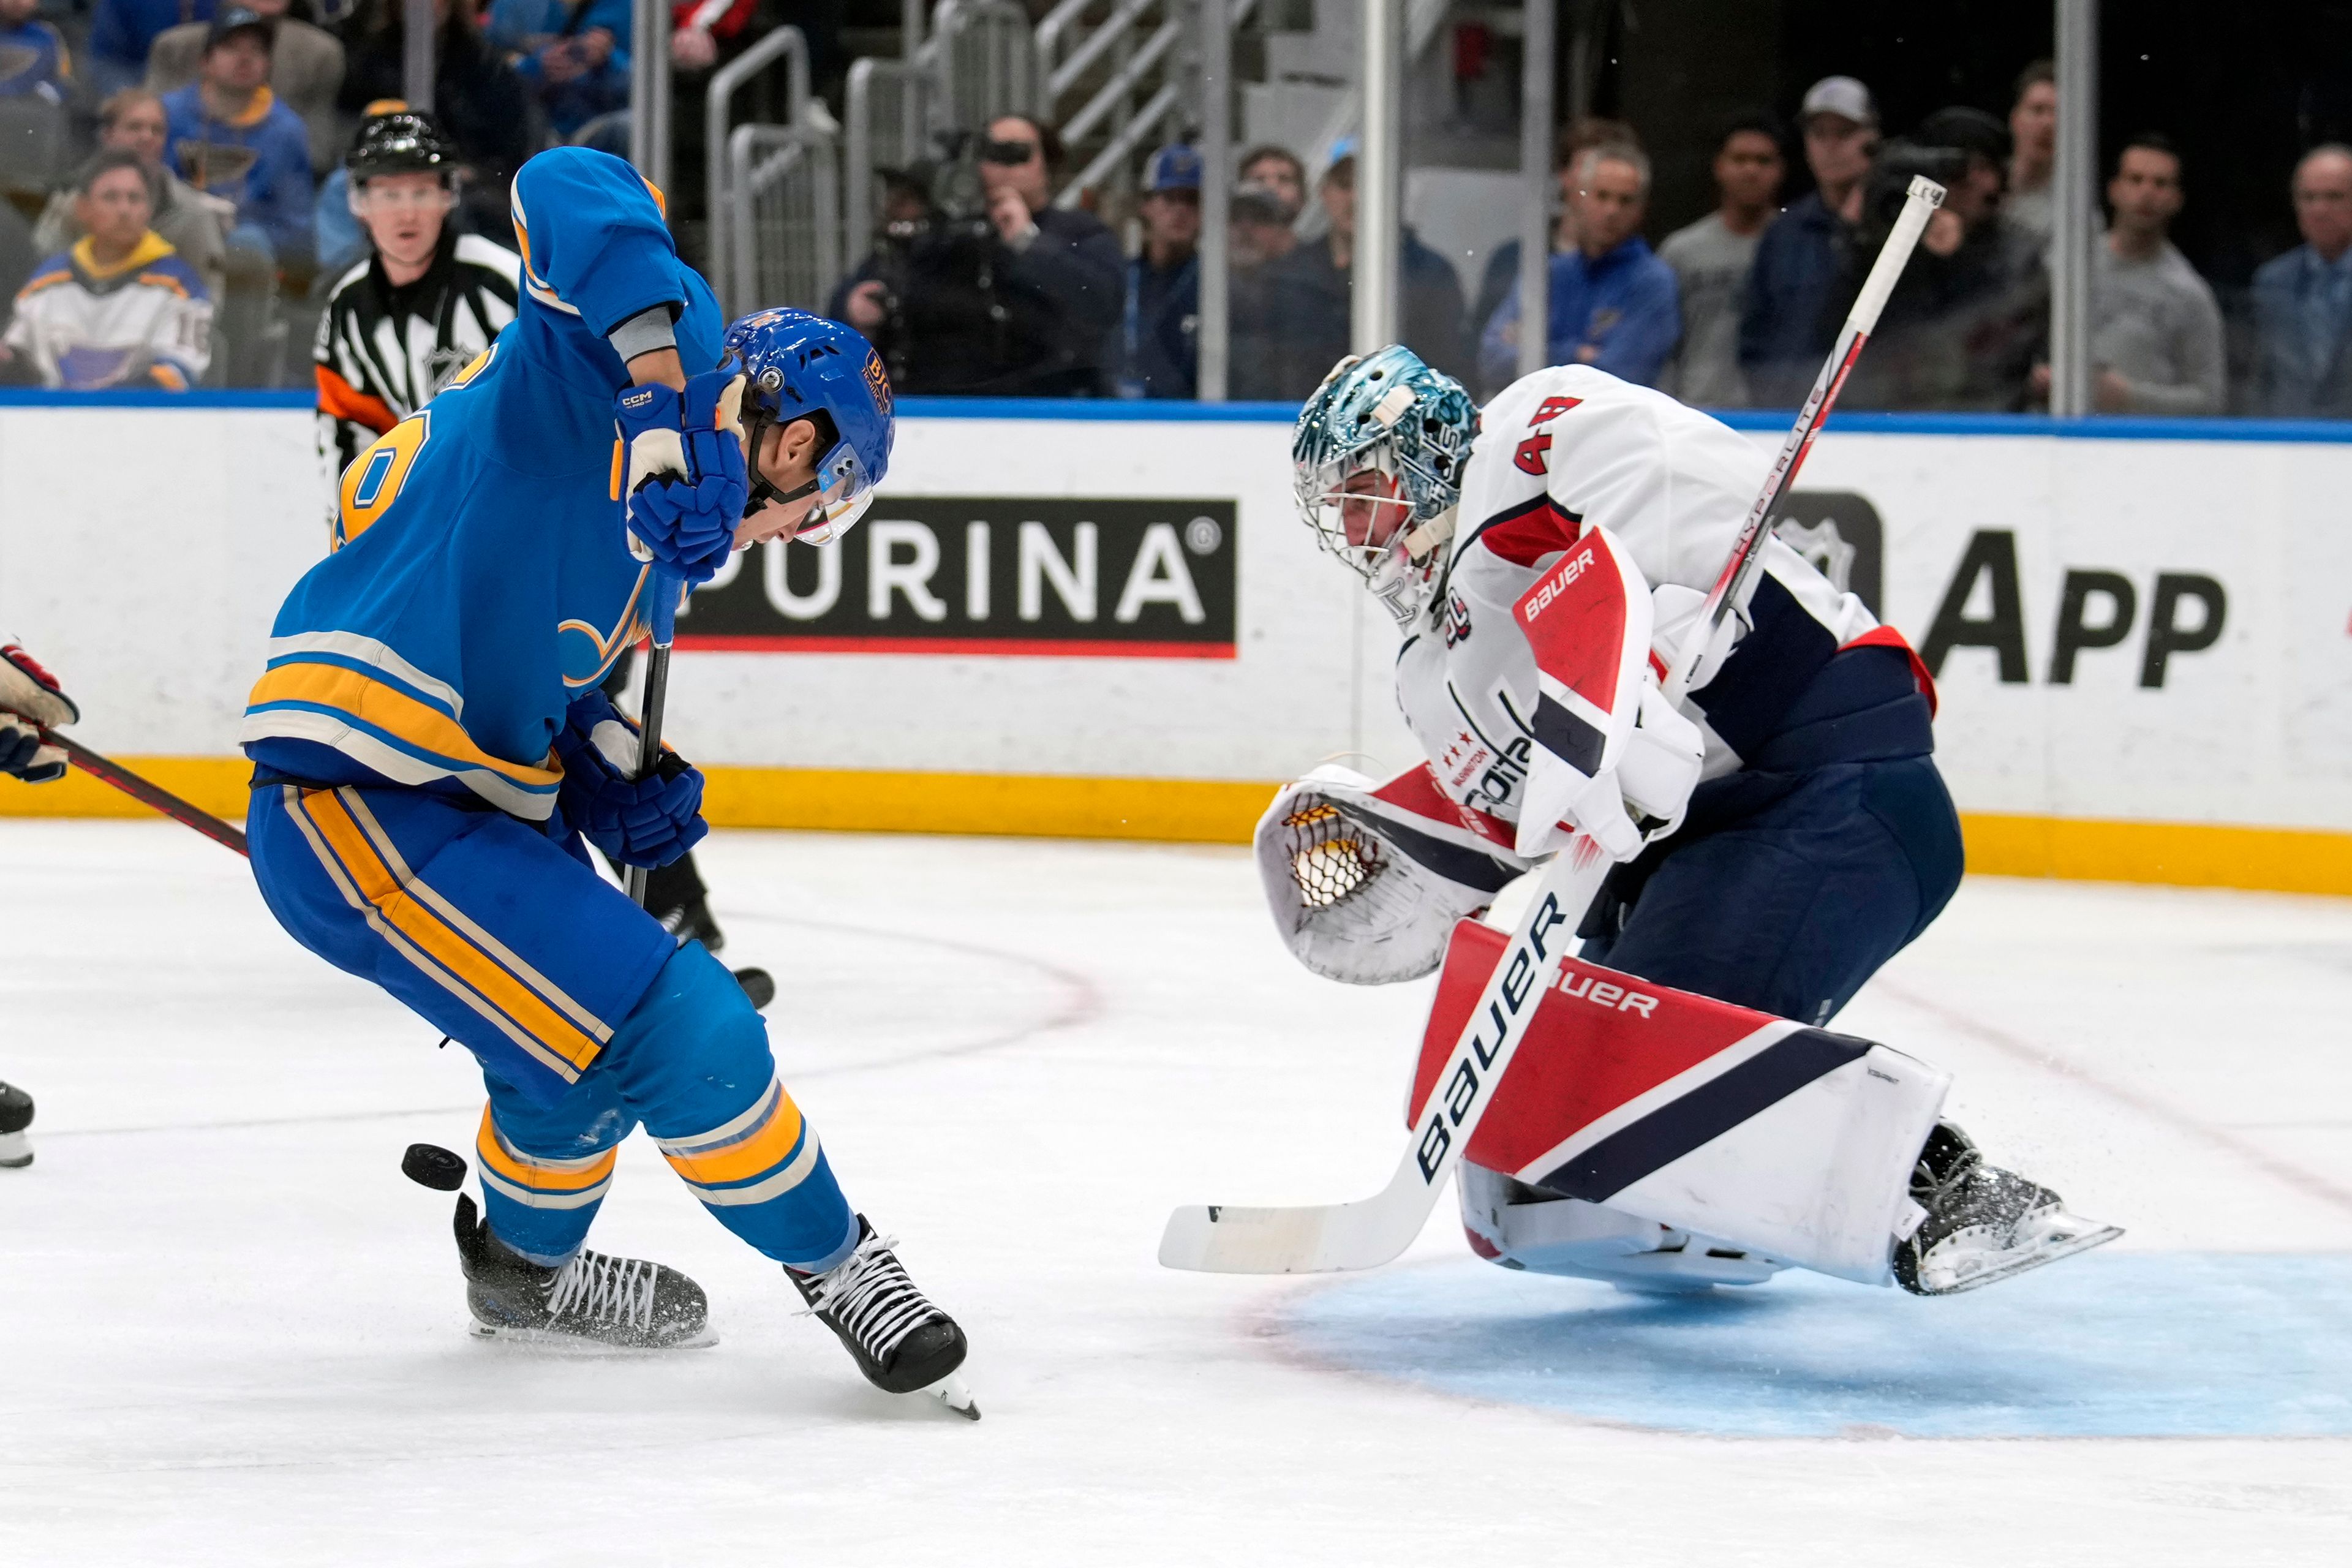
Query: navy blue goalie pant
<point x="1793" y="879"/>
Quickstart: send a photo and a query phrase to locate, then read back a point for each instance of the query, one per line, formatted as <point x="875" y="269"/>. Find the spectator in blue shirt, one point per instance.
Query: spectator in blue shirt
<point x="33" y="59"/>
<point x="573" y="57"/>
<point x="1163" y="283"/>
<point x="231" y="138"/>
<point x="2302" y="300"/>
<point x="1613" y="302"/>
<point x="122" y="31"/>
<point x="1791" y="316"/>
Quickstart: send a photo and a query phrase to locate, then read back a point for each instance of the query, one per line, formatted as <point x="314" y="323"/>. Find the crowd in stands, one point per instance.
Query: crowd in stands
<point x="240" y="116"/>
<point x="1737" y="309"/>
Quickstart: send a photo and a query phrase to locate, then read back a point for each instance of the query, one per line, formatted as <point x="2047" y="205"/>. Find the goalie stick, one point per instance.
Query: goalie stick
<point x="1230" y="1240"/>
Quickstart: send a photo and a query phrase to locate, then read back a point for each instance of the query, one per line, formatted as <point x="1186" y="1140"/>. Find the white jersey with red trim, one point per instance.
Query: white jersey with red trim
<point x="1572" y="448"/>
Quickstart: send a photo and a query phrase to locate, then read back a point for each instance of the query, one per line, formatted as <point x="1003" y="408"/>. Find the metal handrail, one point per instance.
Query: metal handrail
<point x="1098" y="106"/>
<point x="1059" y="20"/>
<point x="1130" y="136"/>
<point x="717" y="199"/>
<point x="805" y="142"/>
<point x="1097" y="44"/>
<point x="857" y="150"/>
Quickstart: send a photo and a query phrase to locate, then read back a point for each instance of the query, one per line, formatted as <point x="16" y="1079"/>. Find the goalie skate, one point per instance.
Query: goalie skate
<point x="901" y="1342"/>
<point x="594" y="1301"/>
<point x="1983" y="1223"/>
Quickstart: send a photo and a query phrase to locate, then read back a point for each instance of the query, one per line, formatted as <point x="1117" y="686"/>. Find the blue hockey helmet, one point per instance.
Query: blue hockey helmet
<point x="1377" y="464"/>
<point x="799" y="367"/>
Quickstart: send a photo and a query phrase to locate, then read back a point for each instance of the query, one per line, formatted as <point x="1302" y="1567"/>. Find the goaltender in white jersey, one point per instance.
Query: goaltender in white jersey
<point x="1677" y="1116"/>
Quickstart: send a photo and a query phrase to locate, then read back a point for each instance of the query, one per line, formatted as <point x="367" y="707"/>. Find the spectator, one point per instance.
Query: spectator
<point x="194" y="224"/>
<point x="1711" y="257"/>
<point x="306" y="68"/>
<point x="2034" y="129"/>
<point x="425" y="300"/>
<point x="2156" y="329"/>
<point x="1612" y="300"/>
<point x="1964" y="327"/>
<point x="1502" y="274"/>
<point x="122" y="32"/>
<point x="1789" y="319"/>
<point x="571" y="55"/>
<point x="33" y="58"/>
<point x="18" y="255"/>
<point x="231" y="138"/>
<point x="120" y="308"/>
<point x="1261" y="232"/>
<point x="1308" y="294"/>
<point x="1163" y="283"/>
<point x="1278" y="171"/>
<point x="477" y="101"/>
<point x="1020" y="301"/>
<point x="2303" y="299"/>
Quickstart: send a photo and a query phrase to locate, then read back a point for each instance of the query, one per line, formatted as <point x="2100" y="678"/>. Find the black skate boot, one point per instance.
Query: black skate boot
<point x="15" y="1116"/>
<point x="901" y="1342"/>
<point x="593" y="1300"/>
<point x="1983" y="1223"/>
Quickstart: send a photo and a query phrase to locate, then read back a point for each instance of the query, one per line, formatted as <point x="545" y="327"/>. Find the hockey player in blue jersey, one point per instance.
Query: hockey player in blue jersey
<point x="431" y="744"/>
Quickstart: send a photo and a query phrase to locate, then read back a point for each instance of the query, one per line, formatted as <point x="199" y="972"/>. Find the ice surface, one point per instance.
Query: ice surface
<point x="230" y="1332"/>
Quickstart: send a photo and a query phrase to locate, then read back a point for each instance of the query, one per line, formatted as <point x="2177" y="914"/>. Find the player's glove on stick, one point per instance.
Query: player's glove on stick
<point x="643" y="822"/>
<point x="686" y="483"/>
<point x="30" y="702"/>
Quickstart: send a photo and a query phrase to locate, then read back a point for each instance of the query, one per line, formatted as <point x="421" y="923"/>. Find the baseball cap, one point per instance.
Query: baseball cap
<point x="1173" y="168"/>
<point x="238" y="19"/>
<point x="1841" y="96"/>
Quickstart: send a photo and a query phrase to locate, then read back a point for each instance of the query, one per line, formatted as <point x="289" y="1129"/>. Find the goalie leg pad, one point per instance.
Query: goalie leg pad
<point x="1793" y="1142"/>
<point x="1515" y="1226"/>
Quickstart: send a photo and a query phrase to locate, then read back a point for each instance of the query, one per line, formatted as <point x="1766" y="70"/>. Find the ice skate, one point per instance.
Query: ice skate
<point x="901" y="1342"/>
<point x="1983" y="1223"/>
<point x="595" y="1301"/>
<point x="15" y="1116"/>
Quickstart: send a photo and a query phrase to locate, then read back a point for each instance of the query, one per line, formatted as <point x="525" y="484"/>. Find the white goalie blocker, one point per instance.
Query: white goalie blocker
<point x="1653" y="1135"/>
<point x="1366" y="879"/>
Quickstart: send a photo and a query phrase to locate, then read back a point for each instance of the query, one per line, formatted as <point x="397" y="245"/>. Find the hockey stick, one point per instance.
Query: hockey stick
<point x="664" y="621"/>
<point x="146" y="794"/>
<point x="1372" y="1231"/>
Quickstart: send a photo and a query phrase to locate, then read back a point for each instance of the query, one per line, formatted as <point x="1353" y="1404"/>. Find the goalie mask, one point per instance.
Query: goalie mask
<point x="1377" y="464"/>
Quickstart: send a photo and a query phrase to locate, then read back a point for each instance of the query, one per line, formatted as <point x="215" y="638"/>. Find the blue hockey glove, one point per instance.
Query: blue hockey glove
<point x="687" y="484"/>
<point x="638" y="822"/>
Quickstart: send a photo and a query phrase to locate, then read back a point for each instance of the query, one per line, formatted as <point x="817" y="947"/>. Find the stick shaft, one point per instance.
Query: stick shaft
<point x="146" y="794"/>
<point x="1728" y="596"/>
<point x="657" y="701"/>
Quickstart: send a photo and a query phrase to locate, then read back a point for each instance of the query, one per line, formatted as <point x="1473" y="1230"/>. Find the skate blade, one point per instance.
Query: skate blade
<point x="2026" y="1260"/>
<point x="952" y="1391"/>
<point x="552" y="1343"/>
<point x="16" y="1151"/>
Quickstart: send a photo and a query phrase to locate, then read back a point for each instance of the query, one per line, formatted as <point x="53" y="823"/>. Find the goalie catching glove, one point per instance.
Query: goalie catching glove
<point x="645" y="822"/>
<point x="30" y="702"/>
<point x="687" y="483"/>
<point x="1365" y="880"/>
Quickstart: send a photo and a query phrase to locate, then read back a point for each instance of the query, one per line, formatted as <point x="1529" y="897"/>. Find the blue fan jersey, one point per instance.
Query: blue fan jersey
<point x="481" y="575"/>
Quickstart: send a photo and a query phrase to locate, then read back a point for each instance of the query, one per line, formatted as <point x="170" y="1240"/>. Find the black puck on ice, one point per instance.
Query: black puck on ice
<point x="758" y="984"/>
<point x="430" y="1166"/>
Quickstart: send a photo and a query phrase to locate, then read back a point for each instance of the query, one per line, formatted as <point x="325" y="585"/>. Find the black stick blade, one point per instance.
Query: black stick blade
<point x="430" y="1166"/>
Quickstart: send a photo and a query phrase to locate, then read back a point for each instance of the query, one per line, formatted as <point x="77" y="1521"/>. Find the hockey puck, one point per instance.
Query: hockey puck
<point x="430" y="1166"/>
<point x="758" y="984"/>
